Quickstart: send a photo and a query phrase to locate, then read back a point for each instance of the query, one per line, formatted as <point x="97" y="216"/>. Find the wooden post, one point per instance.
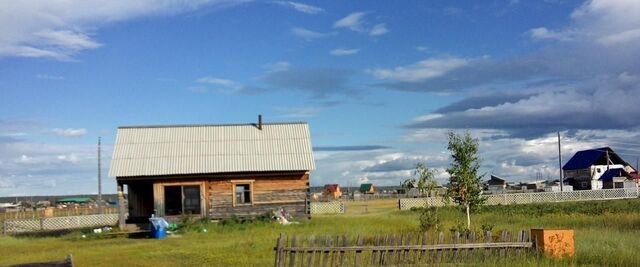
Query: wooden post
<point x="358" y="252"/>
<point x="292" y="253"/>
<point x="279" y="251"/>
<point x="310" y="243"/>
<point x="121" y="208"/>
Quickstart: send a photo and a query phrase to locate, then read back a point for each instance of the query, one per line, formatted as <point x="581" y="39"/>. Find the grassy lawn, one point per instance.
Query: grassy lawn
<point x="607" y="234"/>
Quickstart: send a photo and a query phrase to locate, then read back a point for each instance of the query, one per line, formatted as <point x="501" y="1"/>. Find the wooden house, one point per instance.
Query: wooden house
<point x="599" y="168"/>
<point x="213" y="170"/>
<point x="331" y="191"/>
<point x="367" y="189"/>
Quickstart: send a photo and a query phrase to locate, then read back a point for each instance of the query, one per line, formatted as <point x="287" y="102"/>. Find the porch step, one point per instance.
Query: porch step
<point x="135" y="227"/>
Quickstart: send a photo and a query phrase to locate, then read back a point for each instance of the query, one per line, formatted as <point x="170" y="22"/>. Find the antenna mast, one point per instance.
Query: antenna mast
<point x="99" y="179"/>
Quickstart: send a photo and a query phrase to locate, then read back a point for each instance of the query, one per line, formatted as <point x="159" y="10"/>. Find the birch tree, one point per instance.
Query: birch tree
<point x="465" y="185"/>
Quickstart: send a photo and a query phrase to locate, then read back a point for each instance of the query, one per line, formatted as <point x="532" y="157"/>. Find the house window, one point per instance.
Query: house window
<point x="585" y="185"/>
<point x="598" y="170"/>
<point x="182" y="199"/>
<point x="243" y="194"/>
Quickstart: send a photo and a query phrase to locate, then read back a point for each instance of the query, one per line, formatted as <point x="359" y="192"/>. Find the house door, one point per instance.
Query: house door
<point x="182" y="199"/>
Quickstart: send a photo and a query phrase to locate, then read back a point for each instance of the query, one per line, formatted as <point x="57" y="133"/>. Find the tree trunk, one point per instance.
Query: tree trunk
<point x="468" y="218"/>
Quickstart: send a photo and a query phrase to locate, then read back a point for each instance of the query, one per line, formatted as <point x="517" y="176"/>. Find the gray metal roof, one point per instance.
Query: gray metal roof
<point x="196" y="149"/>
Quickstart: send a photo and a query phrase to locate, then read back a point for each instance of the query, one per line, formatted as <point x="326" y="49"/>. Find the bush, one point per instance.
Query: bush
<point x="428" y="219"/>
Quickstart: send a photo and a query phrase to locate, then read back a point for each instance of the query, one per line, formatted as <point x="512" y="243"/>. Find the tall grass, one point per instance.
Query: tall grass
<point x="606" y="235"/>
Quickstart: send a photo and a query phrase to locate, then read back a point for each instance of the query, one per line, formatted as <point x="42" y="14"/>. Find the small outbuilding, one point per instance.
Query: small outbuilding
<point x="213" y="171"/>
<point x="331" y="191"/>
<point x="367" y="189"/>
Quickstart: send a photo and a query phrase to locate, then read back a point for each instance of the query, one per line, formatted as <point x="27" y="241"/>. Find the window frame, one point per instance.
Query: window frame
<point x="160" y="201"/>
<point x="234" y="184"/>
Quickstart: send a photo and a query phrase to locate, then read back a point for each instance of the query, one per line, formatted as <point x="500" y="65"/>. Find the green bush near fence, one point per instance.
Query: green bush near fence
<point x="606" y="235"/>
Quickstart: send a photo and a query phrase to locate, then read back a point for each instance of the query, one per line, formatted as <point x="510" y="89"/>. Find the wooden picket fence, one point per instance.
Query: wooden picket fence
<point x="412" y="249"/>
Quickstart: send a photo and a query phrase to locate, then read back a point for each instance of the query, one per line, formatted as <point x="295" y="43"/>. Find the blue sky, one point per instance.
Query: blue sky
<point x="380" y="83"/>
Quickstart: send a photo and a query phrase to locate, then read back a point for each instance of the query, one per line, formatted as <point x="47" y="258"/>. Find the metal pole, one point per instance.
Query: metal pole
<point x="560" y="164"/>
<point x="99" y="179"/>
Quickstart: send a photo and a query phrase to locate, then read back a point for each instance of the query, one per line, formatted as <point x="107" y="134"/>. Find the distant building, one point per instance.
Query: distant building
<point x="74" y="200"/>
<point x="331" y="191"/>
<point x="599" y="168"/>
<point x="496" y="184"/>
<point x="367" y="189"/>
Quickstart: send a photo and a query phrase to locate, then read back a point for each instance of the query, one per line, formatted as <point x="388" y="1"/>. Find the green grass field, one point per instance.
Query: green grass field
<point x="607" y="234"/>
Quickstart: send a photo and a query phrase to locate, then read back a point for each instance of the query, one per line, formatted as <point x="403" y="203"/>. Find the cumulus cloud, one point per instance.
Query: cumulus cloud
<point x="344" y="51"/>
<point x="350" y="148"/>
<point x="587" y="106"/>
<point x="61" y="29"/>
<point x="605" y="22"/>
<point x="304" y="8"/>
<point x="70" y="132"/>
<point x="28" y="167"/>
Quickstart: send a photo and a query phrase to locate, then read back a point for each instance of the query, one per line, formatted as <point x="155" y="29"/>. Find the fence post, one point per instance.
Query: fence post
<point x="41" y="224"/>
<point x="279" y="251"/>
<point x="504" y="198"/>
<point x="602" y="193"/>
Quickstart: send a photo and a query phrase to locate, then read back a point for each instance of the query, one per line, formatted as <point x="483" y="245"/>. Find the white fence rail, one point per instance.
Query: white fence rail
<point x="524" y="198"/>
<point x="333" y="207"/>
<point x="59" y="223"/>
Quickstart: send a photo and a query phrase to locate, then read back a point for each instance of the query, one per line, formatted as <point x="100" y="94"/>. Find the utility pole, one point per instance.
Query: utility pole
<point x="99" y="179"/>
<point x="560" y="164"/>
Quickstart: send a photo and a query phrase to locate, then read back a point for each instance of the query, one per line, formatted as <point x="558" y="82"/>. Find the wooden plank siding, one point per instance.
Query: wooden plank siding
<point x="270" y="191"/>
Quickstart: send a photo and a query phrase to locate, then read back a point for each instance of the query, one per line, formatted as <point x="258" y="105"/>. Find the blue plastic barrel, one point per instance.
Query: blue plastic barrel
<point x="159" y="233"/>
<point x="158" y="227"/>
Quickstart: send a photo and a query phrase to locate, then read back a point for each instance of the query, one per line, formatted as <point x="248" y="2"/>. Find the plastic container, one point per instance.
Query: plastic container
<point x="159" y="233"/>
<point x="158" y="227"/>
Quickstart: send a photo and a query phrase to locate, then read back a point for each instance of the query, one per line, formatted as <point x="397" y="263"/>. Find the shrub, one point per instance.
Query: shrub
<point x="428" y="219"/>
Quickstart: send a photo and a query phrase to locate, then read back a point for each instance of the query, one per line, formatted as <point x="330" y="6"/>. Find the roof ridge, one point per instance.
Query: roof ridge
<point x="208" y="125"/>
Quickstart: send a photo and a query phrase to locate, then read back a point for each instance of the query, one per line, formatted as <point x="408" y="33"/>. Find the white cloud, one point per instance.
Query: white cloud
<point x="379" y="29"/>
<point x="61" y="29"/>
<point x="544" y="33"/>
<point x="304" y="8"/>
<point x="420" y="71"/>
<point x="355" y="22"/>
<point x="225" y="83"/>
<point x="352" y="21"/>
<point x="70" y="132"/>
<point x="607" y="22"/>
<point x="344" y="51"/>
<point x="309" y="34"/>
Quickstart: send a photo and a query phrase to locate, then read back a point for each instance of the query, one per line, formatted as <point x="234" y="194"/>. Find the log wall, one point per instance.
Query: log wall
<point x="270" y="191"/>
<point x="288" y="191"/>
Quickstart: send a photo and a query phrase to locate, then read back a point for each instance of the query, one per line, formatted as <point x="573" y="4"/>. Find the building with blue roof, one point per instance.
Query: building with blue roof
<point x="598" y="168"/>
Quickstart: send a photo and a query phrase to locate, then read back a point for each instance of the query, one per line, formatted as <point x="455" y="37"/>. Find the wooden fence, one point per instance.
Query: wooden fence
<point x="524" y="198"/>
<point x="399" y="250"/>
